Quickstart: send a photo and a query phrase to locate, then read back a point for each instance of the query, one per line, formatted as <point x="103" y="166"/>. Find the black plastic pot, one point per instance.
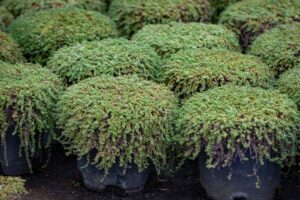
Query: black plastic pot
<point x="94" y="179"/>
<point x="241" y="186"/>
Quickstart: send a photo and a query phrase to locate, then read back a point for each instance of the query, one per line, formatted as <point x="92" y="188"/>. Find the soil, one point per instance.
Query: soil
<point x="61" y="181"/>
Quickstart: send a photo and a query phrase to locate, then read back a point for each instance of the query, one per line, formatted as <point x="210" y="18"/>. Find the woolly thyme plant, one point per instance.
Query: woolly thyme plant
<point x="132" y="15"/>
<point x="289" y="83"/>
<point x="279" y="48"/>
<point x="229" y="122"/>
<point x="41" y="33"/>
<point x="124" y="119"/>
<point x="20" y="7"/>
<point x="9" y="49"/>
<point x="28" y="94"/>
<point x="11" y="188"/>
<point x="197" y="70"/>
<point x="111" y="56"/>
<point x="167" y="39"/>
<point x="250" y="18"/>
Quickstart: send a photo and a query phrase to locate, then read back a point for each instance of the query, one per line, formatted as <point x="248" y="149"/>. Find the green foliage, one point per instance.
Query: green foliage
<point x="250" y="18"/>
<point x="28" y="94"/>
<point x="111" y="56"/>
<point x="167" y="39"/>
<point x="41" y="33"/>
<point x="9" y="49"/>
<point x="289" y="83"/>
<point x="197" y="70"/>
<point x="5" y="18"/>
<point x="279" y="48"/>
<point x="20" y="7"/>
<point x="132" y="15"/>
<point x="11" y="188"/>
<point x="219" y="6"/>
<point x="122" y="118"/>
<point x="230" y="121"/>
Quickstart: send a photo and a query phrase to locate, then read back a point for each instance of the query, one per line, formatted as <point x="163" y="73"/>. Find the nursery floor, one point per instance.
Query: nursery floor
<point x="61" y="181"/>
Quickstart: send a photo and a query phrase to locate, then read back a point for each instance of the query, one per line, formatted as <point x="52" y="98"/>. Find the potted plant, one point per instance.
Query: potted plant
<point x="132" y="15"/>
<point x="110" y="56"/>
<point x="196" y="70"/>
<point x="37" y="33"/>
<point x="279" y="48"/>
<point x="242" y="136"/>
<point x="11" y="188"/>
<point x="251" y="18"/>
<point x="118" y="127"/>
<point x="168" y="39"/>
<point x="9" y="49"/>
<point x="27" y="99"/>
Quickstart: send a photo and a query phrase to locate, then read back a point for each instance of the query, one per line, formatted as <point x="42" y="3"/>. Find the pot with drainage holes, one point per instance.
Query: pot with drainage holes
<point x="129" y="180"/>
<point x="242" y="184"/>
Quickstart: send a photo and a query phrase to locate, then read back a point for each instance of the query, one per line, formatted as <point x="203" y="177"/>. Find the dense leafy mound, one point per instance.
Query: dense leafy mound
<point x="279" y="48"/>
<point x="220" y="5"/>
<point x="43" y="32"/>
<point x="132" y="15"/>
<point x="289" y="83"/>
<point x="167" y="39"/>
<point x="27" y="98"/>
<point x="197" y="70"/>
<point x="11" y="188"/>
<point x="122" y="118"/>
<point x="250" y="18"/>
<point x="112" y="56"/>
<point x="9" y="50"/>
<point x="229" y="122"/>
<point x="5" y="17"/>
<point x="19" y="7"/>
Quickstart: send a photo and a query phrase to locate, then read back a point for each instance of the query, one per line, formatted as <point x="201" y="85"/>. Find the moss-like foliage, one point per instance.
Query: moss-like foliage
<point x="28" y="95"/>
<point x="111" y="56"/>
<point x="132" y="15"/>
<point x="197" y="70"/>
<point x="167" y="39"/>
<point x="43" y="32"/>
<point x="250" y="18"/>
<point x="11" y="188"/>
<point x="219" y="6"/>
<point x="289" y="83"/>
<point x="122" y="118"/>
<point x="5" y="18"/>
<point x="279" y="48"/>
<point x="231" y="122"/>
<point x="9" y="49"/>
<point x="19" y="7"/>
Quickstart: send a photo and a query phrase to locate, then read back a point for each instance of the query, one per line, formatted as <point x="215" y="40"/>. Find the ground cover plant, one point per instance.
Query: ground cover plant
<point x="279" y="48"/>
<point x="9" y="49"/>
<point x="167" y="39"/>
<point x="5" y="18"/>
<point x="250" y="18"/>
<point x="197" y="70"/>
<point x="11" y="188"/>
<point x="219" y="6"/>
<point x="111" y="56"/>
<point x="132" y="15"/>
<point x="42" y="33"/>
<point x="124" y="119"/>
<point x="28" y="95"/>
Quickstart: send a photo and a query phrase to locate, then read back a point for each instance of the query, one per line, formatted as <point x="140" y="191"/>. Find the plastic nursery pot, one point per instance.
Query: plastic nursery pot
<point x="242" y="185"/>
<point x="130" y="180"/>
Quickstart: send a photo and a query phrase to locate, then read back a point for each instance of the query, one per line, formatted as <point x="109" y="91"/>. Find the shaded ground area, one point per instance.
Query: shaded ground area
<point x="61" y="181"/>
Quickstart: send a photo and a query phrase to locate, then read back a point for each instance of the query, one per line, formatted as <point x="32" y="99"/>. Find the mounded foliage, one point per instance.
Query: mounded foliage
<point x="20" y="7"/>
<point x="41" y="33"/>
<point x="9" y="49"/>
<point x="132" y="15"/>
<point x="289" y="83"/>
<point x="5" y="18"/>
<point x="279" y="48"/>
<point x="11" y="187"/>
<point x="28" y="95"/>
<point x="250" y="18"/>
<point x="124" y="119"/>
<point x="229" y="122"/>
<point x="111" y="56"/>
<point x="197" y="70"/>
<point x="219" y="6"/>
<point x="167" y="39"/>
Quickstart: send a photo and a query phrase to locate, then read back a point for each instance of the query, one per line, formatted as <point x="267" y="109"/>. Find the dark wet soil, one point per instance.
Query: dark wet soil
<point x="61" y="181"/>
